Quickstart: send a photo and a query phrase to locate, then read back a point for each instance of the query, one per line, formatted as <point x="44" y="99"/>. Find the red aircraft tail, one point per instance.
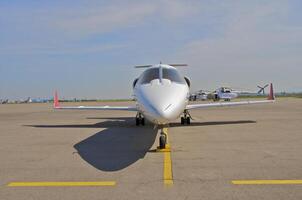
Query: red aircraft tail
<point x="56" y="103"/>
<point x="271" y="93"/>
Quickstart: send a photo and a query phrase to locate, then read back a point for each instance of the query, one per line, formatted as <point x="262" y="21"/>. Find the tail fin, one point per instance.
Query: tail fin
<point x="271" y="93"/>
<point x="56" y="103"/>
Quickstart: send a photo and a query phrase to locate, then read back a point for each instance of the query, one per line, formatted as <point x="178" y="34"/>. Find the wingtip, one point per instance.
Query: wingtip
<point x="271" y="93"/>
<point x="56" y="103"/>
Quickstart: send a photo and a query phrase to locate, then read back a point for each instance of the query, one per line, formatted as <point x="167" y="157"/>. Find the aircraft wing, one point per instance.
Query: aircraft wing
<point x="270" y="99"/>
<point x="56" y="105"/>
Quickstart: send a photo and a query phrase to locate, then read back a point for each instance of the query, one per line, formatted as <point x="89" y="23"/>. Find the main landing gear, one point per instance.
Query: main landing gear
<point x="186" y="118"/>
<point x="139" y="119"/>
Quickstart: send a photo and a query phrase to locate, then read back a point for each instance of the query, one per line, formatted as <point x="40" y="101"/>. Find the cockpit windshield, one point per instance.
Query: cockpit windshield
<point x="167" y="73"/>
<point x="149" y="75"/>
<point x="172" y="75"/>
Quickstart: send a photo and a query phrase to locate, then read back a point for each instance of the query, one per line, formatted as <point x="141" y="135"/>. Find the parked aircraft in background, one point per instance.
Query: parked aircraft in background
<point x="223" y="93"/>
<point x="162" y="96"/>
<point x="28" y="100"/>
<point x="200" y="95"/>
<point x="4" y="101"/>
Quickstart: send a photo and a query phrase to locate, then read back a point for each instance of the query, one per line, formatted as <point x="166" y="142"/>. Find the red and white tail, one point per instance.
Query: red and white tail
<point x="56" y="103"/>
<point x="271" y="93"/>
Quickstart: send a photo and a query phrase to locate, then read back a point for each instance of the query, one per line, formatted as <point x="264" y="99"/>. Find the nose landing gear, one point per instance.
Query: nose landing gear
<point x="186" y="119"/>
<point x="162" y="140"/>
<point x="139" y="119"/>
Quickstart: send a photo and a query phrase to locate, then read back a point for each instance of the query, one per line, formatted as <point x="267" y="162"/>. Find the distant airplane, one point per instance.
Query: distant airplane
<point x="28" y="100"/>
<point x="162" y="96"/>
<point x="201" y="94"/>
<point x="4" y="101"/>
<point x="223" y="93"/>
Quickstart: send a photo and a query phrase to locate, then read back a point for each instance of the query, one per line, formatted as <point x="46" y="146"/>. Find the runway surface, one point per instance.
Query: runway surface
<point x="249" y="152"/>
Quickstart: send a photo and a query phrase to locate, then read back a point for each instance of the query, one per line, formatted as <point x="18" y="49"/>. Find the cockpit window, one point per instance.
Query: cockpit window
<point x="172" y="75"/>
<point x="149" y="75"/>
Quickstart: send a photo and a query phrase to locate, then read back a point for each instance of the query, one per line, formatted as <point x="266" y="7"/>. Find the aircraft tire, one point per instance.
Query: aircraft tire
<point x="162" y="141"/>
<point x="188" y="120"/>
<point x="182" y="120"/>
<point x="143" y="121"/>
<point x="137" y="121"/>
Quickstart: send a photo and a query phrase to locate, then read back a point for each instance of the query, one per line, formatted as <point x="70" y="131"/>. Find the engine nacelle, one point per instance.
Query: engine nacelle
<point x="188" y="81"/>
<point x="134" y="82"/>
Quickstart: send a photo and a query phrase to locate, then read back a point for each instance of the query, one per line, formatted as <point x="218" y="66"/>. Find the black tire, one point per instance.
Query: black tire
<point x="188" y="120"/>
<point x="162" y="142"/>
<point x="182" y="120"/>
<point x="137" y="121"/>
<point x="143" y="121"/>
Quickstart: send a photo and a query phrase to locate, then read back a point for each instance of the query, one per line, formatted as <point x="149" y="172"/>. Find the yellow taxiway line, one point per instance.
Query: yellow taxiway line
<point x="168" y="176"/>
<point x="60" y="184"/>
<point x="266" y="182"/>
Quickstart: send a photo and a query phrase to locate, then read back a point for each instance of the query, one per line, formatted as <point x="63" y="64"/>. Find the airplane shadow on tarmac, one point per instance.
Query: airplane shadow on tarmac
<point x="121" y="143"/>
<point x="116" y="147"/>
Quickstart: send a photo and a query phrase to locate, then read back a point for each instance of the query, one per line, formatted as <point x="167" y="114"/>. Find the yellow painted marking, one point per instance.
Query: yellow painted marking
<point x="60" y="184"/>
<point x="167" y="149"/>
<point x="168" y="176"/>
<point x="265" y="182"/>
<point x="163" y="150"/>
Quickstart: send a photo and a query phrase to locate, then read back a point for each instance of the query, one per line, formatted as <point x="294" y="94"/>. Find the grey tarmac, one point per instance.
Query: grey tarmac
<point x="259" y="142"/>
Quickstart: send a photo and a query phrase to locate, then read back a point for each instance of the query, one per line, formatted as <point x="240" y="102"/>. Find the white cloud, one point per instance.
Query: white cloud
<point x="177" y="9"/>
<point x="256" y="45"/>
<point x="103" y="19"/>
<point x="120" y="15"/>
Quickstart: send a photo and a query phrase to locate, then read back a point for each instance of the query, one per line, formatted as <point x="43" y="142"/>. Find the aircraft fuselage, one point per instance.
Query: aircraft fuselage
<point x="163" y="99"/>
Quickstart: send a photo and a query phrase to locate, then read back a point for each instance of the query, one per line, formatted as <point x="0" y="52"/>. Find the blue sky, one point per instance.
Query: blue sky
<point x="88" y="48"/>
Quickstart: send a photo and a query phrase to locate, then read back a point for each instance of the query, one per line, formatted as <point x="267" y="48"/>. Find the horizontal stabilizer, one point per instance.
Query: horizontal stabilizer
<point x="174" y="65"/>
<point x="143" y="66"/>
<point x="178" y="65"/>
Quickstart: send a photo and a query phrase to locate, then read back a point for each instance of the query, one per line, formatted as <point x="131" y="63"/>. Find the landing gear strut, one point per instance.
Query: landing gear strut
<point x="162" y="140"/>
<point x="186" y="118"/>
<point x="139" y="119"/>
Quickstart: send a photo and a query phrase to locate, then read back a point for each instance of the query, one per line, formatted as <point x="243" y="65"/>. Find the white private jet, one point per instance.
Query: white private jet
<point x="162" y="95"/>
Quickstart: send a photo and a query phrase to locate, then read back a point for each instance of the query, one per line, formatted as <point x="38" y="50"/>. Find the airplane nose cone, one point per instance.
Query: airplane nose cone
<point x="165" y="103"/>
<point x="164" y="110"/>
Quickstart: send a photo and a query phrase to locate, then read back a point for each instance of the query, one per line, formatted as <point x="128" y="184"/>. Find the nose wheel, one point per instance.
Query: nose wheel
<point x="186" y="118"/>
<point x="162" y="140"/>
<point x="139" y="119"/>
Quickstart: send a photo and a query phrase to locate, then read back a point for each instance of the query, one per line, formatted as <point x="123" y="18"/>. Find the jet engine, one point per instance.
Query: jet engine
<point x="134" y="82"/>
<point x="187" y="81"/>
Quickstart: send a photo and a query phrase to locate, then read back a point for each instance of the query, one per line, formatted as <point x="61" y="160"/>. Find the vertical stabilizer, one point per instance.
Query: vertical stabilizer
<point x="271" y="93"/>
<point x="56" y="103"/>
